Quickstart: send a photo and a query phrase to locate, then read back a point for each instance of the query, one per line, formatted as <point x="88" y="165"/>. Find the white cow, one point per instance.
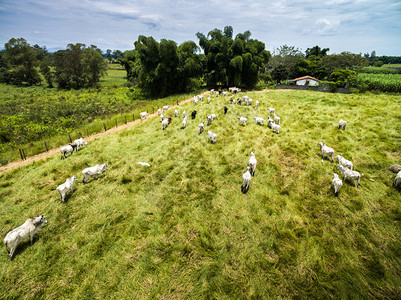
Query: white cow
<point x="66" y="187"/>
<point x="29" y="228"/>
<point x="93" y="171"/>
<point x="80" y="143"/>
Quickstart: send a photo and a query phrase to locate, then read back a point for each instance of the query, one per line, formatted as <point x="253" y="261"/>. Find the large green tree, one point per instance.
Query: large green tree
<point x="232" y="61"/>
<point x="79" y="66"/>
<point x="20" y="62"/>
<point x="163" y="68"/>
<point x="284" y="57"/>
<point x="316" y="51"/>
<point x="343" y="60"/>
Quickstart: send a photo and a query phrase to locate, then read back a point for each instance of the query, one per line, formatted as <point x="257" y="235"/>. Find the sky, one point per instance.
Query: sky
<point x="357" y="26"/>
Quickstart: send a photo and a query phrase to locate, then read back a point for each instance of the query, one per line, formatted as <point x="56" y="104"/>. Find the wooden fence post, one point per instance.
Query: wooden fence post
<point x="23" y="153"/>
<point x="104" y="127"/>
<point x="20" y="153"/>
<point x="87" y="133"/>
<point x="70" y="137"/>
<point x="125" y="119"/>
<point x="47" y="149"/>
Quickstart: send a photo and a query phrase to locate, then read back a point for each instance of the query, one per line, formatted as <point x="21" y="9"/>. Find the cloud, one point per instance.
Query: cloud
<point x="326" y="27"/>
<point x="337" y="24"/>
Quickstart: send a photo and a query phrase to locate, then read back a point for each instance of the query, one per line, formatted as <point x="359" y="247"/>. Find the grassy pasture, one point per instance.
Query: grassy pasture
<point x="116" y="76"/>
<point x="183" y="229"/>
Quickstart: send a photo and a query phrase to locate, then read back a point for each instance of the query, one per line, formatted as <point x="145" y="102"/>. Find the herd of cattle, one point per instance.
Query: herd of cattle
<point x="32" y="225"/>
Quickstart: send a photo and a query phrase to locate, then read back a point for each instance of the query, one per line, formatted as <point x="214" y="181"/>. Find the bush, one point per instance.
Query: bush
<point x="339" y="78"/>
<point x="265" y="78"/>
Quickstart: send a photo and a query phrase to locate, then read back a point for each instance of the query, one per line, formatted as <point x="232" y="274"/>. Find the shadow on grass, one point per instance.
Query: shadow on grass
<point x="24" y="245"/>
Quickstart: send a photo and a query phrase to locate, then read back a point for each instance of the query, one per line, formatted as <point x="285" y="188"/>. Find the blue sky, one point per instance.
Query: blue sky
<point x="358" y="26"/>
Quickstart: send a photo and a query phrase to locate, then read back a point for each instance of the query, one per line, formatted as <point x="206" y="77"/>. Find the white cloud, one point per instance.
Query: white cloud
<point x="337" y="24"/>
<point x="325" y="26"/>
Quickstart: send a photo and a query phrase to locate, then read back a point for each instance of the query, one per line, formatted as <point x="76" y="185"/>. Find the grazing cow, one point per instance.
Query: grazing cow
<point x="29" y="228"/>
<point x="66" y="187"/>
<point x="67" y="149"/>
<point x="193" y="114"/>
<point x="93" y="171"/>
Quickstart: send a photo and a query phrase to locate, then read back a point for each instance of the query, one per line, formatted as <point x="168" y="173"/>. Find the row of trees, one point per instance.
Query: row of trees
<point x="289" y="62"/>
<point x="77" y="66"/>
<point x="163" y="68"/>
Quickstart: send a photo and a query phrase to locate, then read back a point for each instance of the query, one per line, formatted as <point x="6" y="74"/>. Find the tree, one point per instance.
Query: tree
<point x="20" y="62"/>
<point x="279" y="73"/>
<point x="47" y="72"/>
<point x="340" y="78"/>
<point x="309" y="67"/>
<point x="316" y="51"/>
<point x="127" y="60"/>
<point x="163" y="68"/>
<point x="94" y="66"/>
<point x="108" y="54"/>
<point x="117" y="54"/>
<point x="344" y="60"/>
<point x="228" y="32"/>
<point x="190" y="67"/>
<point x="79" y="66"/>
<point x="286" y="56"/>
<point x="232" y="62"/>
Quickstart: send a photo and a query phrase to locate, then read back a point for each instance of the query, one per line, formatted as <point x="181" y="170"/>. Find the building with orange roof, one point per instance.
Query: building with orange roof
<point x="306" y="80"/>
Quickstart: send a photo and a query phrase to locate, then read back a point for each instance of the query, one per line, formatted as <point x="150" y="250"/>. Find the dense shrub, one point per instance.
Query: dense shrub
<point x="340" y="78"/>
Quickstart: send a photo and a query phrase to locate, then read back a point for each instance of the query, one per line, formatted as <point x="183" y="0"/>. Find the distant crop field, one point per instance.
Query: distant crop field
<point x="378" y="70"/>
<point x="392" y="65"/>
<point x="182" y="229"/>
<point x="390" y="83"/>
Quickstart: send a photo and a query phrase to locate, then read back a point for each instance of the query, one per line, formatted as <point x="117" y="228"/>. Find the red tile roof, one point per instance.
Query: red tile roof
<point x="305" y="77"/>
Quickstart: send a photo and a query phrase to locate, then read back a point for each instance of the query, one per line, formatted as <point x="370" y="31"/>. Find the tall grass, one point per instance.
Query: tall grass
<point x="183" y="229"/>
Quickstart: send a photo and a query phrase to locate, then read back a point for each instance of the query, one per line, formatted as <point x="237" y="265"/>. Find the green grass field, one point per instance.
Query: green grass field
<point x="116" y="76"/>
<point x="182" y="228"/>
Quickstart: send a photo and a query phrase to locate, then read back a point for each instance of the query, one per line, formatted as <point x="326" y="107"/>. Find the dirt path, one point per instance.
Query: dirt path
<point x="16" y="164"/>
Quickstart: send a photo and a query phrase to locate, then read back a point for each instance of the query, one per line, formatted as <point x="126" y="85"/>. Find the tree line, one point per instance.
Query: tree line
<point x="75" y="67"/>
<point x="164" y="68"/>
